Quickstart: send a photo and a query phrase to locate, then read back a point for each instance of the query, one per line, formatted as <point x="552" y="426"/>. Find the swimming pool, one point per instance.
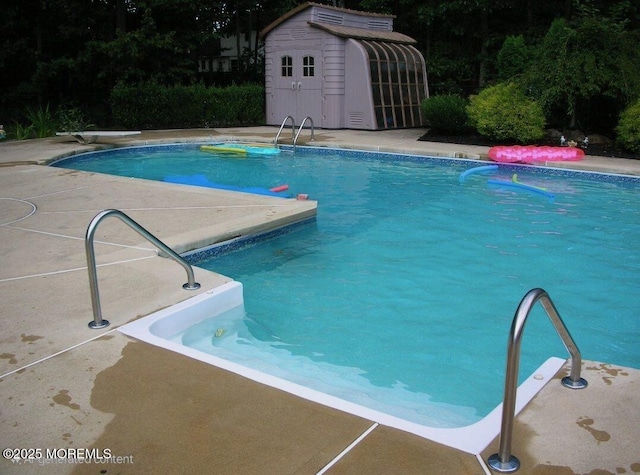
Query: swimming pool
<point x="407" y="282"/>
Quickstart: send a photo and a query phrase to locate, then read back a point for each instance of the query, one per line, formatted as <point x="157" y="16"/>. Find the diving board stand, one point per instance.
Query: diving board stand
<point x="92" y="136"/>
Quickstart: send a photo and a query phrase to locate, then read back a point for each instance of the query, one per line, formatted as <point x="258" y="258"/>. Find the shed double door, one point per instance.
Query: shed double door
<point x="298" y="87"/>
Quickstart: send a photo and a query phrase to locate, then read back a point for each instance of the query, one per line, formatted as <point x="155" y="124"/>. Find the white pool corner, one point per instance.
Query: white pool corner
<point x="158" y="327"/>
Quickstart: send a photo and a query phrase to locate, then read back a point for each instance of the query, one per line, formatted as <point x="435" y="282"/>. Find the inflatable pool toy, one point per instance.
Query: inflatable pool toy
<point x="514" y="179"/>
<point x="522" y="186"/>
<point x="514" y="183"/>
<point x="221" y="149"/>
<point x="241" y="149"/>
<point x="534" y="154"/>
<point x="482" y="169"/>
<point x="202" y="180"/>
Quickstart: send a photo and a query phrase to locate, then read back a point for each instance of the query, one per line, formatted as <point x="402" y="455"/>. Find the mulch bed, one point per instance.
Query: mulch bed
<point x="600" y="150"/>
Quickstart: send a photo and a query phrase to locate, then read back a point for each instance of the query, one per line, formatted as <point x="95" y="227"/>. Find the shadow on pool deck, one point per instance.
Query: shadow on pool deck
<point x="67" y="387"/>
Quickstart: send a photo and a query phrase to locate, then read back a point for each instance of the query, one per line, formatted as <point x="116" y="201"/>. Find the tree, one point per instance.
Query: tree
<point x="473" y="22"/>
<point x="513" y="58"/>
<point x="581" y="61"/>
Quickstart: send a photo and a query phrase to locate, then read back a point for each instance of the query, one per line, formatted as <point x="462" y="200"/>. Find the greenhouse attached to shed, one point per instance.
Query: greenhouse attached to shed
<point x="343" y="68"/>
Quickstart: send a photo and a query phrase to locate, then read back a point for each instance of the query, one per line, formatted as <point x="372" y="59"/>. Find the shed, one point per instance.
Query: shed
<point x="343" y="68"/>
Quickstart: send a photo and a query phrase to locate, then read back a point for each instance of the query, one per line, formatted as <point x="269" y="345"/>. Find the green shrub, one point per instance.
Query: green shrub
<point x="72" y="120"/>
<point x="503" y="113"/>
<point x="628" y="129"/>
<point x="153" y="106"/>
<point x="124" y="111"/>
<point x="43" y="122"/>
<point x="23" y="132"/>
<point x="445" y="114"/>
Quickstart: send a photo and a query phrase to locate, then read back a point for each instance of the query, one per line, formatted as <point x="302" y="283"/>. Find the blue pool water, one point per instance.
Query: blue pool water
<point x="403" y="290"/>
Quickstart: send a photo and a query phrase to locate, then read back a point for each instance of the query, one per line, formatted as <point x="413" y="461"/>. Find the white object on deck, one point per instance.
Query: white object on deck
<point x="92" y="136"/>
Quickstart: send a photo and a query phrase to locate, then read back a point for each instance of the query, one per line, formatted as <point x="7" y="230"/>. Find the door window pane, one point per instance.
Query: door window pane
<point x="308" y="67"/>
<point x="287" y="66"/>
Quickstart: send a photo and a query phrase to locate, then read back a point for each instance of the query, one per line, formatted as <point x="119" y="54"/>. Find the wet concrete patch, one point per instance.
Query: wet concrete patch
<point x="170" y="410"/>
<point x="608" y="372"/>
<point x="64" y="399"/>
<point x="29" y="338"/>
<point x="387" y="450"/>
<point x="10" y="357"/>
<point x="587" y="424"/>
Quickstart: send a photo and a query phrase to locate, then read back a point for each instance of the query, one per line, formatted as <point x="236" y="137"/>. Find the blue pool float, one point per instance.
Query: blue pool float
<point x="482" y="169"/>
<point x="202" y="180"/>
<point x="522" y="186"/>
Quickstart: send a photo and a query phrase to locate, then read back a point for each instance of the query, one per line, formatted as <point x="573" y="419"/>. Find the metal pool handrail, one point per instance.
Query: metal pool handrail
<point x="98" y="321"/>
<point x="300" y="130"/>
<point x="293" y="128"/>
<point x="504" y="461"/>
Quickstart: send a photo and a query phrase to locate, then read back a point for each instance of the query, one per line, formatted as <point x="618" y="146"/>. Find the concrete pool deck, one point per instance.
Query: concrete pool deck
<point x="64" y="386"/>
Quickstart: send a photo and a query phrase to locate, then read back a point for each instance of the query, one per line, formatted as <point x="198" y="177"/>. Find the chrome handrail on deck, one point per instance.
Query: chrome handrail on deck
<point x="284" y="122"/>
<point x="300" y="130"/>
<point x="98" y="321"/>
<point x="504" y="461"/>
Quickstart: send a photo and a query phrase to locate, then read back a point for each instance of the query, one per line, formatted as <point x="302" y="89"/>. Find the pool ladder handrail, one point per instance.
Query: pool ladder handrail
<point x="504" y="461"/>
<point x="98" y="322"/>
<point x="295" y="140"/>
<point x="284" y="122"/>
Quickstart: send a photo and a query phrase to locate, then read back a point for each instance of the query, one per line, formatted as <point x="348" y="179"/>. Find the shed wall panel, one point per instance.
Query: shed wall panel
<point x="358" y="110"/>
<point x="334" y="66"/>
<point x="332" y="114"/>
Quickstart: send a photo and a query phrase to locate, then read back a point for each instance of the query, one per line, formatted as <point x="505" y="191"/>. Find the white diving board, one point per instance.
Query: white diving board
<point x="92" y="136"/>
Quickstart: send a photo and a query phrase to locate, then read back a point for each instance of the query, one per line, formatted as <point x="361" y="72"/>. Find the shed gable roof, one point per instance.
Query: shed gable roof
<point x="304" y="6"/>
<point x="364" y="34"/>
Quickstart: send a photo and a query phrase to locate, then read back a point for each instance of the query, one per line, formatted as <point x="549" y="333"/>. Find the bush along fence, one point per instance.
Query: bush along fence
<point x="154" y="106"/>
